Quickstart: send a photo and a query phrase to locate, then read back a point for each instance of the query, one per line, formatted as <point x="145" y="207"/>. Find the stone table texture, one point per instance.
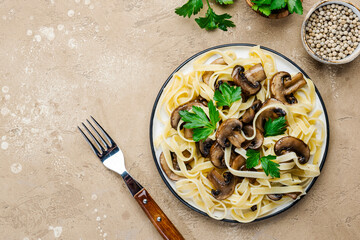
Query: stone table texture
<point x="63" y="60"/>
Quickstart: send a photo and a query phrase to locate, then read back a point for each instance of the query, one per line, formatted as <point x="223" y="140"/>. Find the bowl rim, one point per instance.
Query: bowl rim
<point x="310" y="51"/>
<point x="153" y="112"/>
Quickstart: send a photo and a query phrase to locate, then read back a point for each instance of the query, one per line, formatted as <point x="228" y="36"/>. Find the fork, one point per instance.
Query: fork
<point x="112" y="157"/>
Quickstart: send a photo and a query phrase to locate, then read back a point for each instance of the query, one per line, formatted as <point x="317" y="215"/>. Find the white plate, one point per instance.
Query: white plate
<point x="241" y="50"/>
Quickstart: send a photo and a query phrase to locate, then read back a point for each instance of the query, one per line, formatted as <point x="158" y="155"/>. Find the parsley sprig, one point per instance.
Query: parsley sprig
<point x="270" y="168"/>
<point x="267" y="6"/>
<point x="275" y="127"/>
<point x="211" y="20"/>
<point x="199" y="122"/>
<point x="192" y="7"/>
<point x="227" y="96"/>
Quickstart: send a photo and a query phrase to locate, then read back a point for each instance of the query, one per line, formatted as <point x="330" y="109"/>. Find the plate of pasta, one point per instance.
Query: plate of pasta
<point x="239" y="133"/>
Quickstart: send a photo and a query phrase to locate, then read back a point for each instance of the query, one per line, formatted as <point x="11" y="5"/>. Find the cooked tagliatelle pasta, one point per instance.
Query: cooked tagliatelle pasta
<point x="213" y="172"/>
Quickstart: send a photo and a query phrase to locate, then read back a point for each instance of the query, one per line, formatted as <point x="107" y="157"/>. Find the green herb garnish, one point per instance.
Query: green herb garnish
<point x="192" y="7"/>
<point x="227" y="96"/>
<point x="253" y="158"/>
<point x="226" y="2"/>
<point x="275" y="127"/>
<point x="270" y="168"/>
<point x="295" y="6"/>
<point x="211" y="20"/>
<point x="199" y="122"/>
<point x="267" y="6"/>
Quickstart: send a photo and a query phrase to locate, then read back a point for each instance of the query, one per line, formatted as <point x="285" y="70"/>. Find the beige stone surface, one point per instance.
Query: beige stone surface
<point x="63" y="60"/>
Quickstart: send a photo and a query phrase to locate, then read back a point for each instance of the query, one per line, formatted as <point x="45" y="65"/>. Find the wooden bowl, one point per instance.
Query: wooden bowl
<point x="281" y="13"/>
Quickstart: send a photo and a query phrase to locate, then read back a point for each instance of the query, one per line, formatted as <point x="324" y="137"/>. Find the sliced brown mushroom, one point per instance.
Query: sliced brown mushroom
<point x="250" y="112"/>
<point x="224" y="184"/>
<point x="238" y="162"/>
<point x="217" y="155"/>
<point x="188" y="133"/>
<point x="249" y="80"/>
<point x="175" y="115"/>
<point x="292" y="144"/>
<point x="229" y="132"/>
<point x="206" y="76"/>
<point x="254" y="143"/>
<point x="205" y="146"/>
<point x="283" y="86"/>
<point x="275" y="197"/>
<point x="166" y="168"/>
<point x="255" y="74"/>
<point x="272" y="112"/>
<point x="293" y="195"/>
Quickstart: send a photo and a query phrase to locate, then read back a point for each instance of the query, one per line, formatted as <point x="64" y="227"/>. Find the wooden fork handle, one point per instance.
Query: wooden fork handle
<point x="157" y="217"/>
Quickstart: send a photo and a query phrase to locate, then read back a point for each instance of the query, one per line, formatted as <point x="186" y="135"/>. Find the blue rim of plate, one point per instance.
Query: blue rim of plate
<point x="153" y="115"/>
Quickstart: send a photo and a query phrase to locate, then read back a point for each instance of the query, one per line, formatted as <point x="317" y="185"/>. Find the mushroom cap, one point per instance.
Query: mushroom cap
<point x="166" y="168"/>
<point x="255" y="74"/>
<point x="175" y="115"/>
<point x="293" y="195"/>
<point x="224" y="184"/>
<point x="217" y="155"/>
<point x="229" y="131"/>
<point x="275" y="197"/>
<point x="188" y="133"/>
<point x="256" y="142"/>
<point x="249" y="80"/>
<point x="205" y="146"/>
<point x="283" y="86"/>
<point x="269" y="113"/>
<point x="292" y="144"/>
<point x="238" y="162"/>
<point x="249" y="114"/>
<point x="236" y="139"/>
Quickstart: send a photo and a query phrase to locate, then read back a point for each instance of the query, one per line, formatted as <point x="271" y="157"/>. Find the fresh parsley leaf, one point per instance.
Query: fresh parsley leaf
<point x="201" y="133"/>
<point x="266" y="6"/>
<point x="262" y="6"/>
<point x="253" y="158"/>
<point x="275" y="127"/>
<point x="199" y="121"/>
<point x="189" y="8"/>
<point x="212" y="21"/>
<point x="270" y="168"/>
<point x="225" y="1"/>
<point x="194" y="120"/>
<point x="214" y="114"/>
<point x="295" y="6"/>
<point x="227" y="96"/>
<point x="277" y="4"/>
<point x="265" y="9"/>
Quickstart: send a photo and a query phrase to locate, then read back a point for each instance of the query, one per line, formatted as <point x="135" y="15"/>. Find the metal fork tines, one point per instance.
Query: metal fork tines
<point x="109" y="153"/>
<point x="112" y="157"/>
<point x="101" y="149"/>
